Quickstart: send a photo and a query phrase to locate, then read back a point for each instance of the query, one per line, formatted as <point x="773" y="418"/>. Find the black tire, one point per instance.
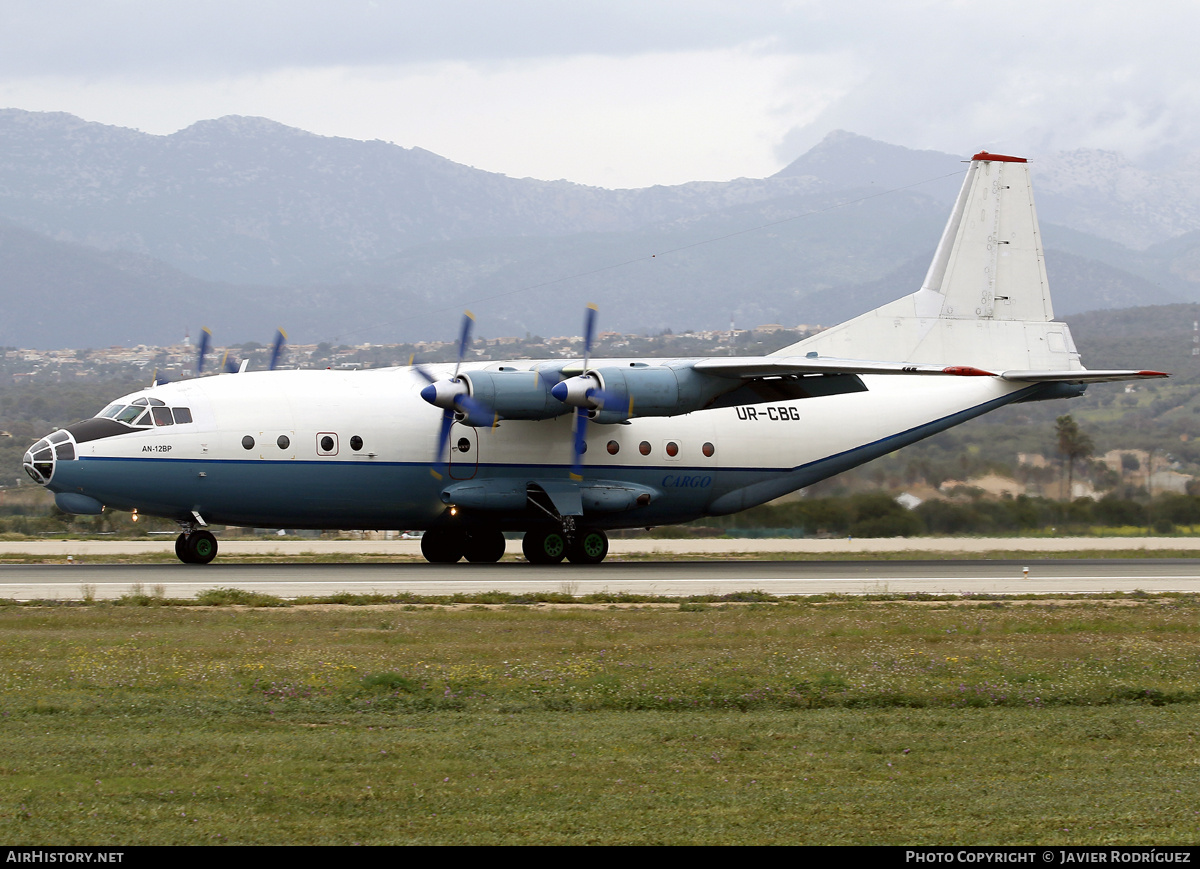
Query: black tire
<point x="589" y="547"/>
<point x="485" y="546"/>
<point x="440" y="546"/>
<point x="544" y="547"/>
<point x="181" y="548"/>
<point x="200" y="547"/>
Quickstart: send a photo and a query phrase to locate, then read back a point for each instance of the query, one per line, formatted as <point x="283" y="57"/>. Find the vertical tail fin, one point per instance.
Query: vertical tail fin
<point x="985" y="301"/>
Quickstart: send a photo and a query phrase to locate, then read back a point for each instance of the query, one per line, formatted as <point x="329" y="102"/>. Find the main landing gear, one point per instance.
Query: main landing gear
<point x="445" y="546"/>
<point x="551" y="547"/>
<point x="480" y="546"/>
<point x="196" y="547"/>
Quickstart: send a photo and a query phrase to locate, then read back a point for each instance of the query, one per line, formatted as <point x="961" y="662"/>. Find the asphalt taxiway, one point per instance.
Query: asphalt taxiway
<point x="669" y="578"/>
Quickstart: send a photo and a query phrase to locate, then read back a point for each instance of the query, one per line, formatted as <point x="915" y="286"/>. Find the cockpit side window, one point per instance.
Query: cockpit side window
<point x="146" y="411"/>
<point x="130" y="415"/>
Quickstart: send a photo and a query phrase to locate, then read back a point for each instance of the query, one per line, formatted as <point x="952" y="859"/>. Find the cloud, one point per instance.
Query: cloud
<point x="1024" y="76"/>
<point x="625" y="93"/>
<point x="648" y="119"/>
<point x="184" y="39"/>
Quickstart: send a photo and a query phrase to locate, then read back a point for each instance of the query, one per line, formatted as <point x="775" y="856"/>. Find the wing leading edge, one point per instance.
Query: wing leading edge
<point x="754" y="368"/>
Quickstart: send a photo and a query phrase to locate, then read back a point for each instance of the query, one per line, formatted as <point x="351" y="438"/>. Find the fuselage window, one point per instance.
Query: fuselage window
<point x="248" y="442"/>
<point x="356" y="443"/>
<point x="464" y="445"/>
<point x="284" y="442"/>
<point x="327" y="444"/>
<point x="182" y="415"/>
<point x="644" y="448"/>
<point x="708" y="449"/>
<point x="613" y="448"/>
<point x="672" y="449"/>
<point x="162" y="416"/>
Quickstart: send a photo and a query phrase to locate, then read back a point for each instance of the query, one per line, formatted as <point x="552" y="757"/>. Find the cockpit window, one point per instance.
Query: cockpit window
<point x="129" y="415"/>
<point x="146" y="411"/>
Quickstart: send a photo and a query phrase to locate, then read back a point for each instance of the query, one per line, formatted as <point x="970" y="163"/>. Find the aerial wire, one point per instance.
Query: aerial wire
<point x="643" y="258"/>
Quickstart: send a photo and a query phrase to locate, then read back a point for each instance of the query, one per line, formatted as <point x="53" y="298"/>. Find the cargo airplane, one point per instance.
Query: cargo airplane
<point x="567" y="450"/>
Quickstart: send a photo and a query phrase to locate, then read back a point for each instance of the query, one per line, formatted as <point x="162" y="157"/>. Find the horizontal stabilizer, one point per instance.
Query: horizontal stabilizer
<point x="1085" y="376"/>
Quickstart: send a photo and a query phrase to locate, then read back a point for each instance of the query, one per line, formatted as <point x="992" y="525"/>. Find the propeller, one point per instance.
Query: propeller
<point x="580" y="419"/>
<point x="277" y="348"/>
<point x="587" y="396"/>
<point x="563" y="391"/>
<point x="205" y="342"/>
<point x="229" y="363"/>
<point x="453" y="396"/>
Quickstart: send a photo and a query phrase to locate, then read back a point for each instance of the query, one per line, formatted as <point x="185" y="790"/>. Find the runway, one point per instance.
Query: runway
<point x="667" y="578"/>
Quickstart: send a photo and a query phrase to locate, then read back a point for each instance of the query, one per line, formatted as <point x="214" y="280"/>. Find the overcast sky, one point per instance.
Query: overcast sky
<point x="626" y="94"/>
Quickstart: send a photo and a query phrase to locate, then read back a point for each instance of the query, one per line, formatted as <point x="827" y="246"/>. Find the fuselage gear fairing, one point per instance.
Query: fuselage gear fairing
<point x="564" y="450"/>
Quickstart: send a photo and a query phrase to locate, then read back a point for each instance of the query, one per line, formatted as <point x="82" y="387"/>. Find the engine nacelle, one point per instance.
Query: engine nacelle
<point x="514" y="394"/>
<point x="618" y="393"/>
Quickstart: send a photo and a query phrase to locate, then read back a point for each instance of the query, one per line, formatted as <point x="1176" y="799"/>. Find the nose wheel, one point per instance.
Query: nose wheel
<point x="197" y="547"/>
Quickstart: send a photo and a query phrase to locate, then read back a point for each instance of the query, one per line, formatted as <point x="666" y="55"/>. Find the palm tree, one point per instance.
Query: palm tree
<point x="1072" y="444"/>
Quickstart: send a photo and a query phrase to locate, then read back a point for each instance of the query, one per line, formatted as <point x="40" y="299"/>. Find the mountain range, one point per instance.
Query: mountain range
<point x="113" y="236"/>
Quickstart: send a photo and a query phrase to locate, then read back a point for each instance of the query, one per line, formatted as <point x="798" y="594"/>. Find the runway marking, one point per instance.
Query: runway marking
<point x="672" y="581"/>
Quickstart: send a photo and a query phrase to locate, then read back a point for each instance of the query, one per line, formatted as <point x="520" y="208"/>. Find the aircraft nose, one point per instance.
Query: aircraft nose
<point x="41" y="458"/>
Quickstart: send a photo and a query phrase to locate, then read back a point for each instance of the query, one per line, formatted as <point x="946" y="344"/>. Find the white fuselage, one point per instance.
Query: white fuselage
<point x="354" y="449"/>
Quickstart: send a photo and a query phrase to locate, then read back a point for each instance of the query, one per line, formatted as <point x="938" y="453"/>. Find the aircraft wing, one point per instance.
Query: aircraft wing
<point x="753" y="368"/>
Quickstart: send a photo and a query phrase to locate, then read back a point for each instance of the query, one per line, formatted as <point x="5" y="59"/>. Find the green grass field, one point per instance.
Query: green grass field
<point x="818" y="722"/>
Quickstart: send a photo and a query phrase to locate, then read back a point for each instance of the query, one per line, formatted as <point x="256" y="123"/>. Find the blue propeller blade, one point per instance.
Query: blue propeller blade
<point x="277" y="347"/>
<point x="476" y="413"/>
<point x="205" y="341"/>
<point x="464" y="340"/>
<point x="439" y="461"/>
<point x="579" y="441"/>
<point x="228" y="364"/>
<point x="421" y="369"/>
<point x="589" y="333"/>
<point x="579" y="425"/>
<point x="466" y="405"/>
